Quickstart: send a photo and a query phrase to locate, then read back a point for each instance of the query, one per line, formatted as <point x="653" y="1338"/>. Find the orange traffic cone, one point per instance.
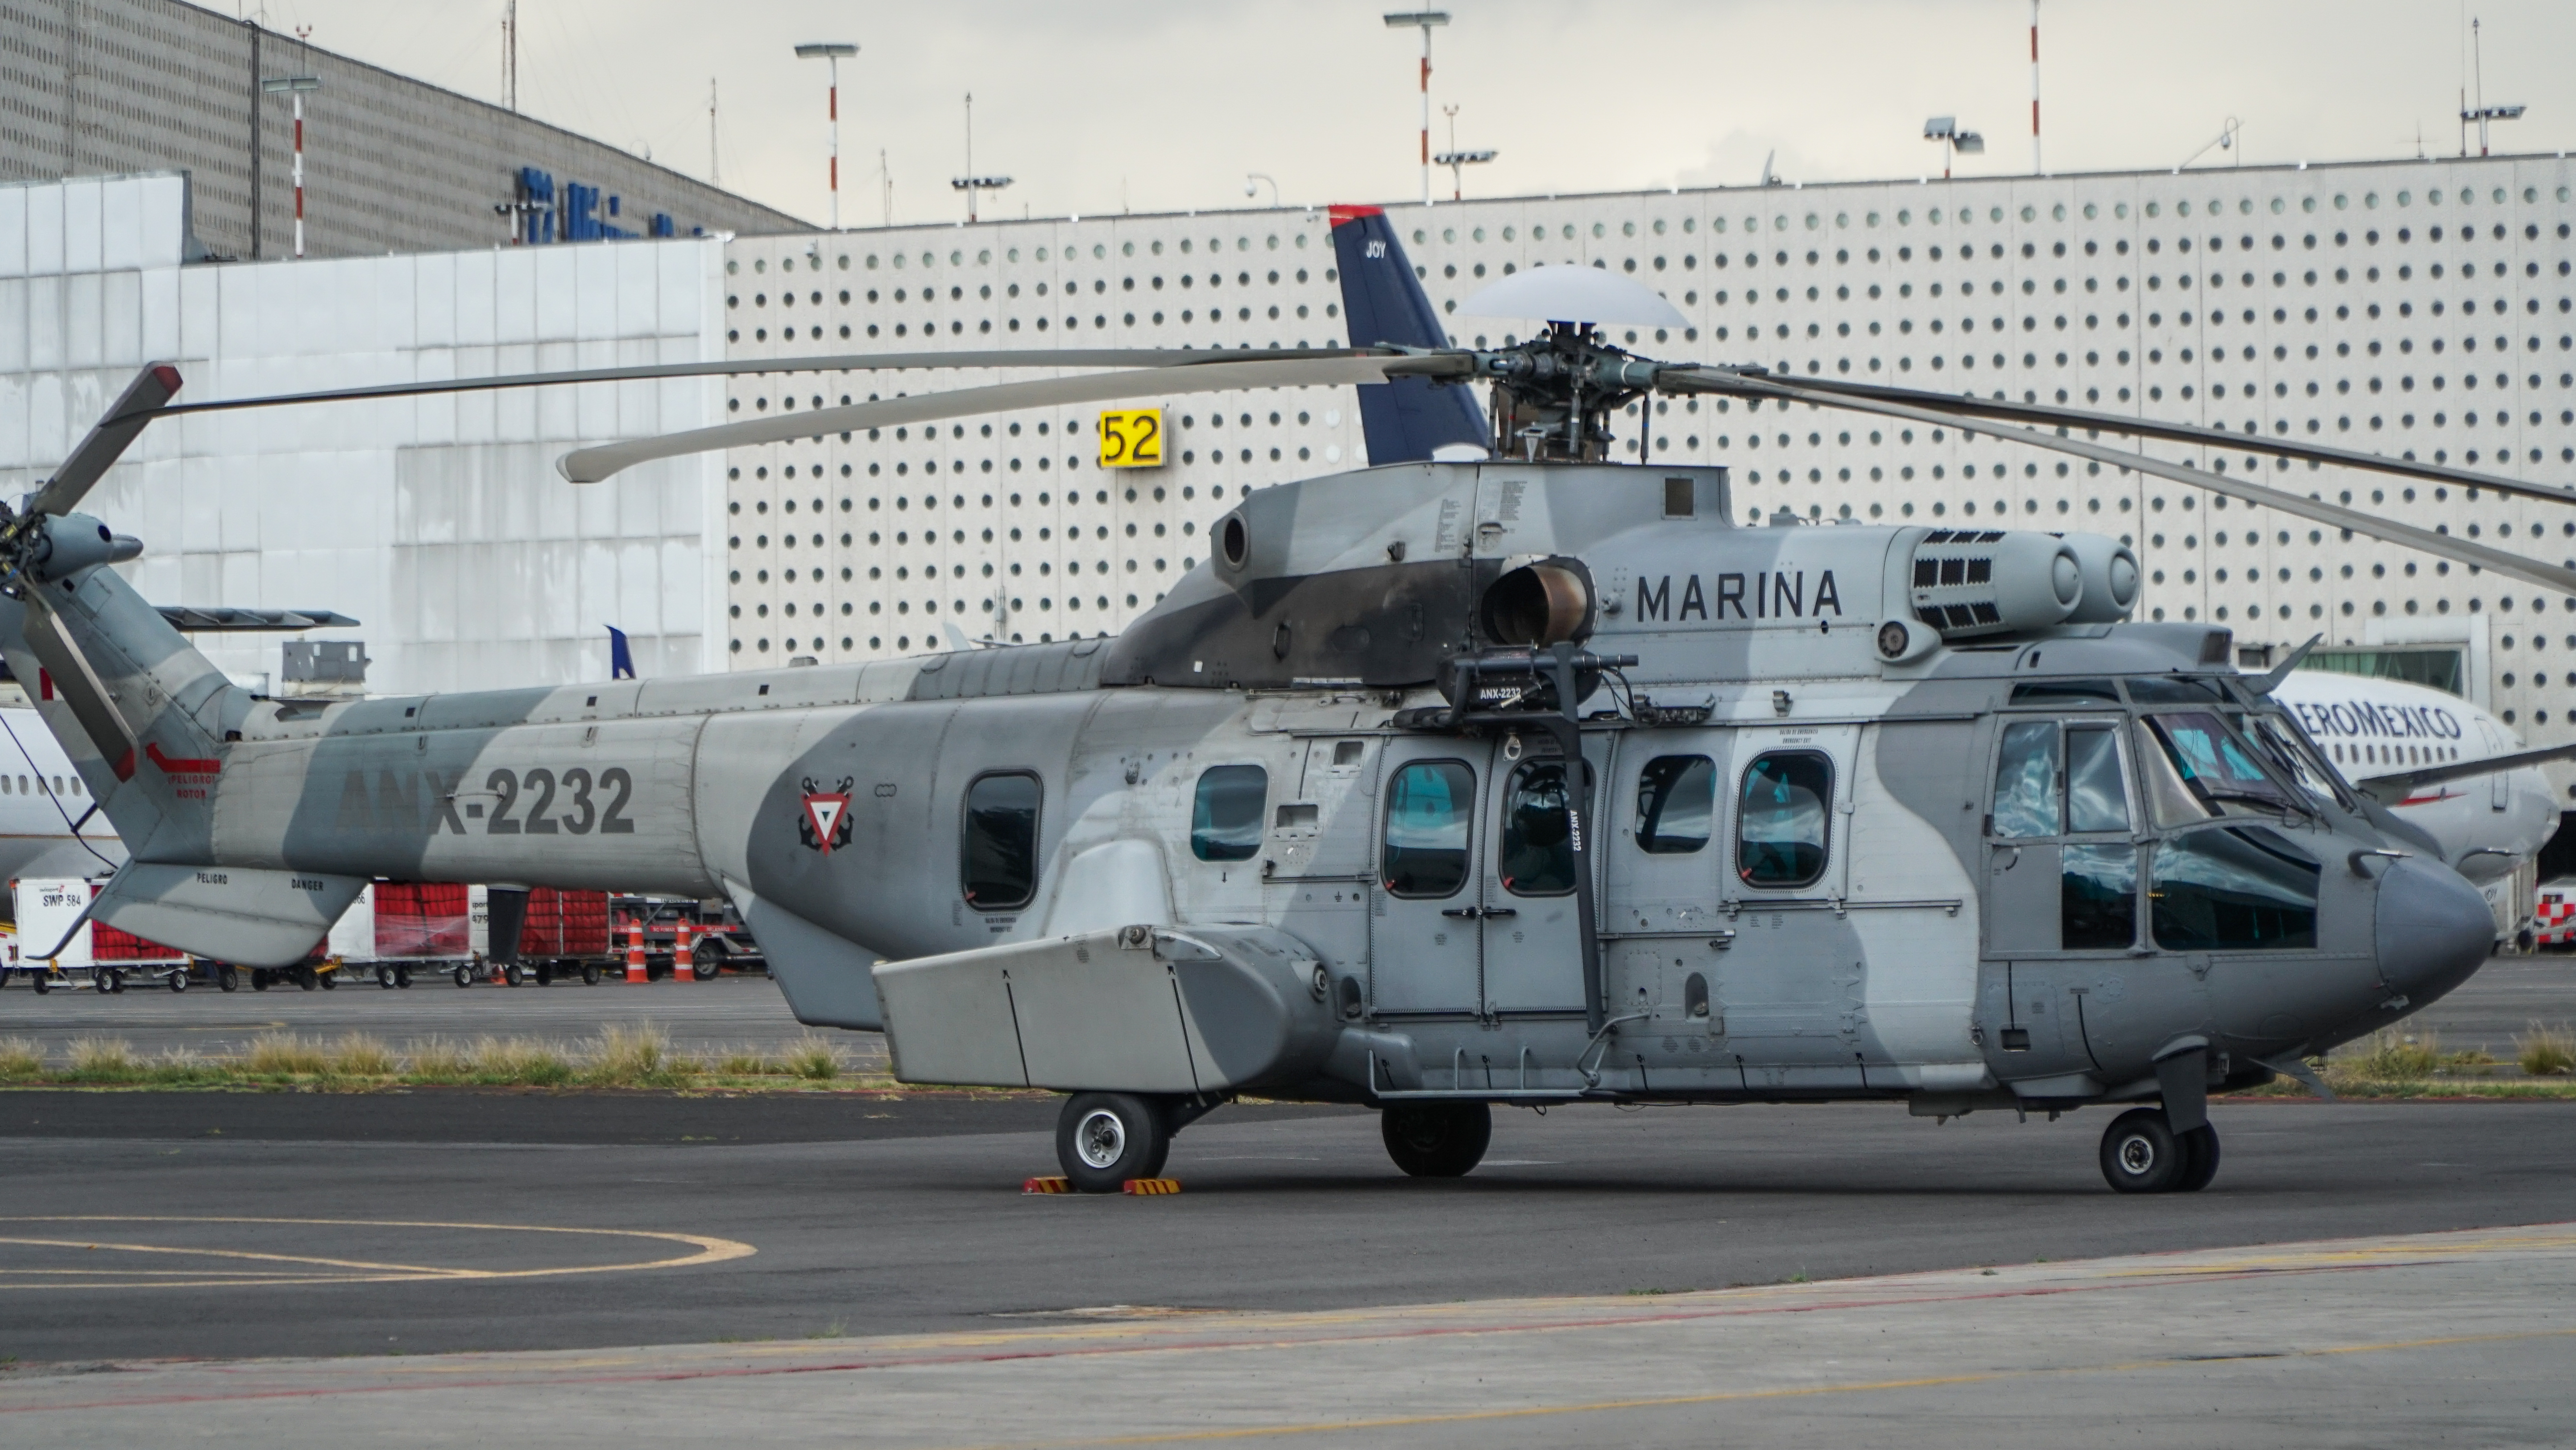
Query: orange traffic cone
<point x="683" y="966"/>
<point x="636" y="975"/>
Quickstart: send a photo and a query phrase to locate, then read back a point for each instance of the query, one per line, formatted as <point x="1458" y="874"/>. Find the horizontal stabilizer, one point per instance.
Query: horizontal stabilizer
<point x="251" y="917"/>
<point x="2397" y="785"/>
<point x="203" y="618"/>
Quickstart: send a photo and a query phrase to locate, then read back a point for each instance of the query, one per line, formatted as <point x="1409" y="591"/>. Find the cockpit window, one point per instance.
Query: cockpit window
<point x="2048" y="784"/>
<point x="2234" y="889"/>
<point x="1781" y="838"/>
<point x="2066" y="692"/>
<point x="2174" y="690"/>
<point x="2216" y="765"/>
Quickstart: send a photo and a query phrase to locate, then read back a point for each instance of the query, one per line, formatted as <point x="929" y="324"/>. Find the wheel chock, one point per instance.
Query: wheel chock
<point x="1148" y="1187"/>
<point x="1047" y="1185"/>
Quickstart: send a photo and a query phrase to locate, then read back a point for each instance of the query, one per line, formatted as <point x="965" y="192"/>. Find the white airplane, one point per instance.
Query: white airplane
<point x="41" y="800"/>
<point x="2445" y="766"/>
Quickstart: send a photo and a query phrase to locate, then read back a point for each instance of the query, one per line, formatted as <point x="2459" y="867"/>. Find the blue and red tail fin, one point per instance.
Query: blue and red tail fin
<point x="1385" y="305"/>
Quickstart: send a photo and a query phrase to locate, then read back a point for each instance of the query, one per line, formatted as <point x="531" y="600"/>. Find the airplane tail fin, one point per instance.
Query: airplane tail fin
<point x="1407" y="418"/>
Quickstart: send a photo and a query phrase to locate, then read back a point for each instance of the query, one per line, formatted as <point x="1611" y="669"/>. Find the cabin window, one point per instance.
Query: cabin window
<point x="1430" y="812"/>
<point x="1676" y="795"/>
<point x="1225" y="823"/>
<point x="2236" y="889"/>
<point x="999" y="864"/>
<point x="1781" y="832"/>
<point x="1537" y="858"/>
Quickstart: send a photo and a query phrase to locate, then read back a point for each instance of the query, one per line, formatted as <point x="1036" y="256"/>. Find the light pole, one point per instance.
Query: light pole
<point x="1453" y="158"/>
<point x="1954" y="142"/>
<point x="295" y="86"/>
<point x="970" y="183"/>
<point x="1252" y="183"/>
<point x="2482" y="112"/>
<point x="1425" y="19"/>
<point x="832" y="53"/>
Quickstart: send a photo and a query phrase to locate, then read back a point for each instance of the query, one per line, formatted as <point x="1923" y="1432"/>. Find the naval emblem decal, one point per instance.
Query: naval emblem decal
<point x="825" y="821"/>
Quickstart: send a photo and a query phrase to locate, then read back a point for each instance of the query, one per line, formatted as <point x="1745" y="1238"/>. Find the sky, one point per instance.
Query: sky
<point x="1112" y="105"/>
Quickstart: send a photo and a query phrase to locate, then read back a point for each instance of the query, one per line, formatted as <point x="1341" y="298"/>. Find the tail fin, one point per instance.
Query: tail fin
<point x="1383" y="301"/>
<point x="149" y="723"/>
<point x="142" y="714"/>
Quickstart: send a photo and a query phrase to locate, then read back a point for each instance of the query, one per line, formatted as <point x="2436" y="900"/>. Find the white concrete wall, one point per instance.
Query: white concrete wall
<point x="439" y="523"/>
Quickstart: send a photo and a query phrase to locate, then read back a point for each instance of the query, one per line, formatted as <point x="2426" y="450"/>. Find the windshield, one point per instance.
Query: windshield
<point x="2218" y="766"/>
<point x="2296" y="757"/>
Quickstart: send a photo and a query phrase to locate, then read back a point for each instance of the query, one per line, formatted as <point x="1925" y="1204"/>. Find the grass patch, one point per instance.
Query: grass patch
<point x="2541" y="1052"/>
<point x="284" y="1054"/>
<point x="814" y="1059"/>
<point x="103" y="1059"/>
<point x="618" y="1057"/>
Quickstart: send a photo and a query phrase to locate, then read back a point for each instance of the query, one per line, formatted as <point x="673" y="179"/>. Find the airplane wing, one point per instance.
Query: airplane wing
<point x="2397" y="785"/>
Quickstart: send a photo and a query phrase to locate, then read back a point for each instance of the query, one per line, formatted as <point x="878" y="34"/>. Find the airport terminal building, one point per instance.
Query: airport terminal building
<point x="2412" y="307"/>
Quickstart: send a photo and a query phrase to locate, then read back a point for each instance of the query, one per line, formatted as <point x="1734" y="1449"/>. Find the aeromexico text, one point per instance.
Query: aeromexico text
<point x="2358" y="718"/>
<point x="1757" y="595"/>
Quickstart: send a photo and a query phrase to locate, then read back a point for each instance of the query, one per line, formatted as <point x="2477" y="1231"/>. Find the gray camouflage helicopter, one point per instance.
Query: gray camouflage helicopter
<point x="1530" y="780"/>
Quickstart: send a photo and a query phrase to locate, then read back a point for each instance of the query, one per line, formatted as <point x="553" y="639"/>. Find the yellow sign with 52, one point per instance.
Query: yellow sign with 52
<point x="1132" y="439"/>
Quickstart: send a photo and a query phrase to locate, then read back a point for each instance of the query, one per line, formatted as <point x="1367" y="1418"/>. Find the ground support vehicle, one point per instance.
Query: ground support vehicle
<point x="397" y="930"/>
<point x="95" y="955"/>
<point x="717" y="938"/>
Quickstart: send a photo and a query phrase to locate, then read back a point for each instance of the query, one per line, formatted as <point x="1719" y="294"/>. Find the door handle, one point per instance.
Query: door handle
<point x="1492" y="911"/>
<point x="1473" y="912"/>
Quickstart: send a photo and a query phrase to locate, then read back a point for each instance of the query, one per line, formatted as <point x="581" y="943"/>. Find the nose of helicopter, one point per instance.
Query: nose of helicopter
<point x="2433" y="929"/>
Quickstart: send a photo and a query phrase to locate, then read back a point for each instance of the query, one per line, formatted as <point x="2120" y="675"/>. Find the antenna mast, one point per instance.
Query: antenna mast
<point x="715" y="160"/>
<point x="2035" y="168"/>
<point x="510" y="55"/>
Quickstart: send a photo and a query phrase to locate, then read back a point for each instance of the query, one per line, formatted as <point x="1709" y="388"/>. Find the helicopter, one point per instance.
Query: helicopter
<point x="1524" y="779"/>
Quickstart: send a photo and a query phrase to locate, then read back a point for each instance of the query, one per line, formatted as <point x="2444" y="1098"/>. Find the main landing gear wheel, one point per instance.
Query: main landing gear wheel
<point x="2141" y="1154"/>
<point x="259" y="979"/>
<point x="1104" y="1139"/>
<point x="306" y="980"/>
<point x="1437" y="1140"/>
<point x="2200" y="1159"/>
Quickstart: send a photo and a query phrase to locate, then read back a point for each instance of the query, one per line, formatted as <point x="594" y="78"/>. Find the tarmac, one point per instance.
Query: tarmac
<point x="2451" y="1338"/>
<point x="560" y="1267"/>
<point x="441" y="1265"/>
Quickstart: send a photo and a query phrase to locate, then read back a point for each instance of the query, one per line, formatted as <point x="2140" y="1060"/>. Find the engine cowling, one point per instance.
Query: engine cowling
<point x="1972" y="582"/>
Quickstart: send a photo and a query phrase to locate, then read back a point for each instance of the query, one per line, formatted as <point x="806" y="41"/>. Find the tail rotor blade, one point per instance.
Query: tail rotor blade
<point x="107" y="441"/>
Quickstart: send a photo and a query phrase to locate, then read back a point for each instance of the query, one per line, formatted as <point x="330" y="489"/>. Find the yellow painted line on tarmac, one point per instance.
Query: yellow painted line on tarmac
<point x="1790" y="1392"/>
<point x="706" y="1250"/>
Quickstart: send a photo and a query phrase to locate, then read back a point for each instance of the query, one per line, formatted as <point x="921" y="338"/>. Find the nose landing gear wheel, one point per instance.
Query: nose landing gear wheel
<point x="2200" y="1159"/>
<point x="1104" y="1139"/>
<point x="1437" y="1140"/>
<point x="2140" y="1153"/>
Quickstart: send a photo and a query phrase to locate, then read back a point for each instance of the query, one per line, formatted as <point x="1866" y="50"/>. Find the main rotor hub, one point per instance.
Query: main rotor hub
<point x="1554" y="394"/>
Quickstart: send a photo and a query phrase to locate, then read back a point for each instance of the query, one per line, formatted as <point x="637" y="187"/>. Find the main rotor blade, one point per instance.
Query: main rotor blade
<point x="1975" y="407"/>
<point x="2551" y="577"/>
<point x="590" y="465"/>
<point x="107" y="440"/>
<point x="1106" y="357"/>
